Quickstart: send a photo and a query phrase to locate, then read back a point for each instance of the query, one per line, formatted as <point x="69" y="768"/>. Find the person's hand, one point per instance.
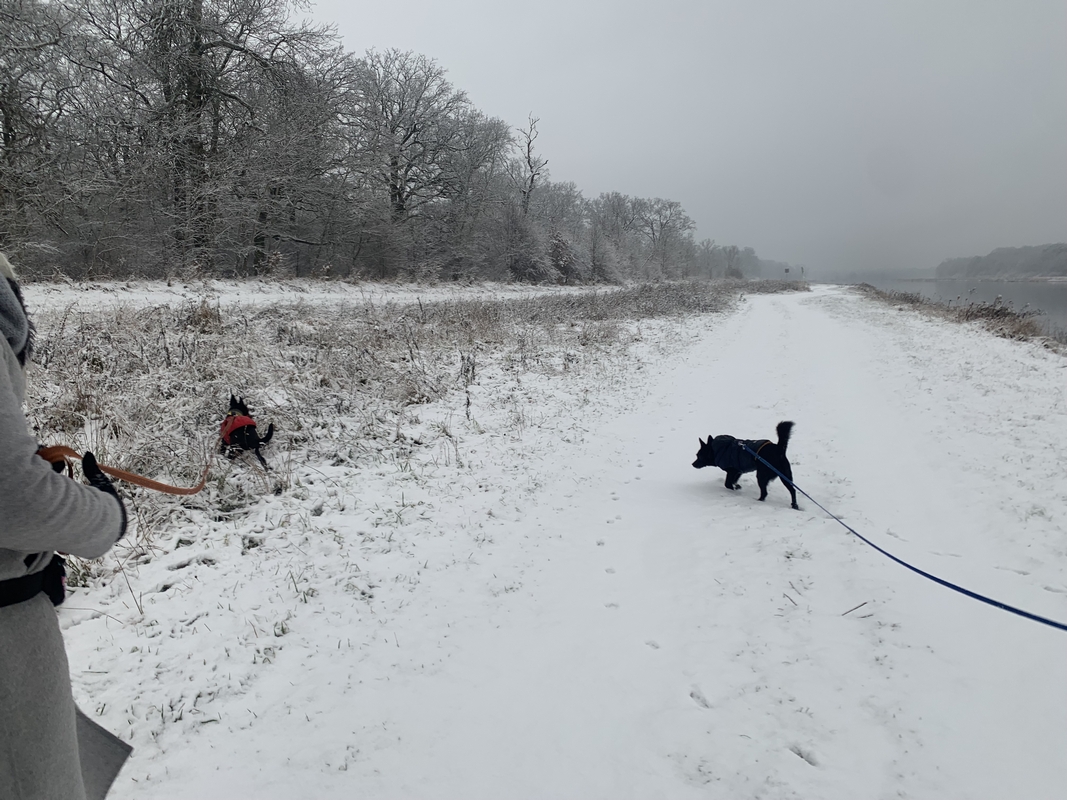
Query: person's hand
<point x="57" y="466"/>
<point x="97" y="479"/>
<point x="93" y="474"/>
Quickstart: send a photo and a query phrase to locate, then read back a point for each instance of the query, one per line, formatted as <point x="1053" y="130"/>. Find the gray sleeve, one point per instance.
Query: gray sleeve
<point x="40" y="509"/>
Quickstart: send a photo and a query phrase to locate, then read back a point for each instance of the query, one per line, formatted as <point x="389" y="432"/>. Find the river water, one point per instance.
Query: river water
<point x="1047" y="297"/>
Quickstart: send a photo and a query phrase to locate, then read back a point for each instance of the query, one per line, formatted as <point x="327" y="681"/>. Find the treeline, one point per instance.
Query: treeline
<point x="225" y="138"/>
<point x="1041" y="261"/>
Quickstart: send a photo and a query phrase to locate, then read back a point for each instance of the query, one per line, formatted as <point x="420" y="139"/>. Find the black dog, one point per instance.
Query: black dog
<point x="735" y="456"/>
<point x="238" y="432"/>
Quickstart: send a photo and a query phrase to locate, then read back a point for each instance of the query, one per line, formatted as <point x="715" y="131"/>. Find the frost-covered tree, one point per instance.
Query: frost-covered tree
<point x="228" y="137"/>
<point x="37" y="86"/>
<point x="528" y="168"/>
<point x="666" y="229"/>
<point x="404" y="128"/>
<point x="461" y="242"/>
<point x="191" y="85"/>
<point x="566" y="259"/>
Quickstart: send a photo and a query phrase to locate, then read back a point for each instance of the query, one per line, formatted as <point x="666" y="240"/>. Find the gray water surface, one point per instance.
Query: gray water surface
<point x="1047" y="297"/>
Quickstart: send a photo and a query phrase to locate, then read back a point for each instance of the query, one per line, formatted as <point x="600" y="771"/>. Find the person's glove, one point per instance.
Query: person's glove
<point x="57" y="466"/>
<point x="97" y="479"/>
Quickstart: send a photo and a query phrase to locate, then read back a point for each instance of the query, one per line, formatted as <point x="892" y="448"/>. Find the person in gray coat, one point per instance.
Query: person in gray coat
<point x="48" y="749"/>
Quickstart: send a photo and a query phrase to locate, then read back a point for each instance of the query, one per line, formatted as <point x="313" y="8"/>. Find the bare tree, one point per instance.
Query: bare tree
<point x="403" y="127"/>
<point x="222" y="136"/>
<point x="528" y="167"/>
<point x="732" y="257"/>
<point x="461" y="244"/>
<point x="36" y="88"/>
<point x="665" y="226"/>
<point x="191" y="78"/>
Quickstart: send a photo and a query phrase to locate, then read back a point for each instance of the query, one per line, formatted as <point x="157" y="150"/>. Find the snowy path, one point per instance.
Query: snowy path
<point x="631" y="629"/>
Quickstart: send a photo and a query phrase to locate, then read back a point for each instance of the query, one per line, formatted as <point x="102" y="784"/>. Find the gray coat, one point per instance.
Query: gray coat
<point x="40" y="512"/>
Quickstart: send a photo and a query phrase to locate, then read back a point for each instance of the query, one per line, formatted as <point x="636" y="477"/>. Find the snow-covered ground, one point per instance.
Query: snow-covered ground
<point x="549" y="601"/>
<point x="51" y="296"/>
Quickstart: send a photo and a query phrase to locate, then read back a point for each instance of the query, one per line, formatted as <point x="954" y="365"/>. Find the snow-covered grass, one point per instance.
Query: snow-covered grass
<point x="998" y="316"/>
<point x="94" y="295"/>
<point x="143" y="384"/>
<point x="492" y="572"/>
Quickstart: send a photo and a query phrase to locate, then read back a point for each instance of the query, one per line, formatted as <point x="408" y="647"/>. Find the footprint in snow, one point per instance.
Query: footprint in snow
<point x="610" y="570"/>
<point x="611" y="605"/>
<point x="1013" y="569"/>
<point x="807" y="755"/>
<point x="698" y="697"/>
<point x="1054" y="589"/>
<point x="654" y="645"/>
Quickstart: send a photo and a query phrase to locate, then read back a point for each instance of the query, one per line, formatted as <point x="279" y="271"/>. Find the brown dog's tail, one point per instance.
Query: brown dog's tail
<point x="784" y="430"/>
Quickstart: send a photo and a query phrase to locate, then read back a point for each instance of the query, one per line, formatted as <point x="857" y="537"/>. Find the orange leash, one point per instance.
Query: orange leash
<point x="59" y="452"/>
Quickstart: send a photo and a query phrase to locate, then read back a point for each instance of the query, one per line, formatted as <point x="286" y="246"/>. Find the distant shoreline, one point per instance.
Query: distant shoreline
<point x="1046" y="295"/>
<point x="989" y="278"/>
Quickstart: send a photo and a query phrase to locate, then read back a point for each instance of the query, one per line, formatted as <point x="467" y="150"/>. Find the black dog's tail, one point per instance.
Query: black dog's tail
<point x="784" y="430"/>
<point x="270" y="432"/>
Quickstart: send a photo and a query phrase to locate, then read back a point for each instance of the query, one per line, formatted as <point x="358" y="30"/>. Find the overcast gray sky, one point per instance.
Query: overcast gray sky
<point x="842" y="135"/>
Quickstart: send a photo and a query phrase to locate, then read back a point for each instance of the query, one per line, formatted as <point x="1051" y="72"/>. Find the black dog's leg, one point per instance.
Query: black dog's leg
<point x="763" y="477"/>
<point x="788" y="472"/>
<point x="262" y="460"/>
<point x="731" y="479"/>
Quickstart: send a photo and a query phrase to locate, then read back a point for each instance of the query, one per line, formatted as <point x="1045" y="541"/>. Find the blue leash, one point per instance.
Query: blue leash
<point x="974" y="595"/>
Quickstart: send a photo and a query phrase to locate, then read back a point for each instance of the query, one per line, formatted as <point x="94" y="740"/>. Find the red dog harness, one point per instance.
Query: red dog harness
<point x="232" y="423"/>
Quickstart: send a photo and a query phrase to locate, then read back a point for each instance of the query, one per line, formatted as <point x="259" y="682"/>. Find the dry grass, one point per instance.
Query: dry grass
<point x="997" y="316"/>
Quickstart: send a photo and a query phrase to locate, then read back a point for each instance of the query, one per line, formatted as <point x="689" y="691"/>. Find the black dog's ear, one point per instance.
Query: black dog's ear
<point x="233" y="401"/>
<point x="701" y="441"/>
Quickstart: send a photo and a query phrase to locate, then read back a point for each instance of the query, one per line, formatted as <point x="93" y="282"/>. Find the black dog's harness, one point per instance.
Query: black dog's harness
<point x="233" y="421"/>
<point x="737" y="454"/>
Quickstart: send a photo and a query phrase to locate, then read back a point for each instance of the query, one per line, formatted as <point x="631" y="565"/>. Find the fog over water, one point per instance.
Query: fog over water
<point x="850" y="137"/>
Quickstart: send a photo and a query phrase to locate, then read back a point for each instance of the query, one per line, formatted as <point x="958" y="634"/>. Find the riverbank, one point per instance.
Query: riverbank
<point x="1039" y="305"/>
